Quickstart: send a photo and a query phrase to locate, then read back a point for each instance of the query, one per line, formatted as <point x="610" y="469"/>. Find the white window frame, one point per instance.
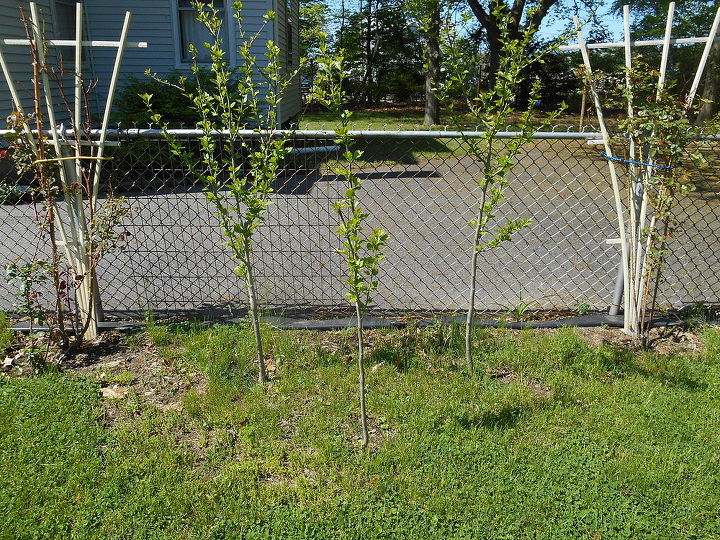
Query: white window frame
<point x="229" y="22"/>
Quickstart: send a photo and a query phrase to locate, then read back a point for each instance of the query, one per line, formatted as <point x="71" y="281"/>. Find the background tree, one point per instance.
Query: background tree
<point x="314" y="21"/>
<point x="692" y="18"/>
<point x="428" y="14"/>
<point x="383" y="53"/>
<point x="498" y="17"/>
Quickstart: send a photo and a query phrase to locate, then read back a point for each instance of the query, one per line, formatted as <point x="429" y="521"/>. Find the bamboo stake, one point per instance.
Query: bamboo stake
<point x="608" y="151"/>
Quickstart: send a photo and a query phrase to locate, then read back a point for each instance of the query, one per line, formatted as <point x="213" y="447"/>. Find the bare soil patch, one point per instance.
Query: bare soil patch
<point x="134" y="376"/>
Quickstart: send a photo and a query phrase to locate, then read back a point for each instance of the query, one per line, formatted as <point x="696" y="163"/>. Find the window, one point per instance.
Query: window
<point x="65" y="19"/>
<point x="193" y="32"/>
<point x="290" y="44"/>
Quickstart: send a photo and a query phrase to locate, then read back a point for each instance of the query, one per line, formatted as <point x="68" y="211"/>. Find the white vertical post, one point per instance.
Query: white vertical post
<point x="703" y="60"/>
<point x="611" y="164"/>
<point x="78" y="67"/>
<point x="108" y="104"/>
<point x="666" y="48"/>
<point x="635" y="185"/>
<point x="16" y="100"/>
<point x="642" y="249"/>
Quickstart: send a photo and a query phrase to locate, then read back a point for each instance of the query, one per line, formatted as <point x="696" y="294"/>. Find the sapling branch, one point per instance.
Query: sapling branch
<point x="492" y="109"/>
<point x="362" y="252"/>
<point x="238" y="186"/>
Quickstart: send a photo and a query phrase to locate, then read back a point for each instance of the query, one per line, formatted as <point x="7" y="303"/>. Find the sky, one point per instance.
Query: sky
<point x="552" y="26"/>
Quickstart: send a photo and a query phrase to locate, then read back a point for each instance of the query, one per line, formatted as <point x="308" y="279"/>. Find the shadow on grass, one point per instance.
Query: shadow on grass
<point x="505" y="418"/>
<point x="402" y="151"/>
<point x="624" y="362"/>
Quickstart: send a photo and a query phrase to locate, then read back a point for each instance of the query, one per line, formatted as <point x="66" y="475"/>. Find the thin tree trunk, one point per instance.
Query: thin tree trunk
<point x="367" y="76"/>
<point x="341" y="43"/>
<point x="471" y="302"/>
<point x="711" y="89"/>
<point x="432" y="69"/>
<point x="361" y="371"/>
<point x="252" y="298"/>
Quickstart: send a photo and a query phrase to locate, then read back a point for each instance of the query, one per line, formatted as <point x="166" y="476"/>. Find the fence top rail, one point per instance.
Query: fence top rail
<point x="151" y="133"/>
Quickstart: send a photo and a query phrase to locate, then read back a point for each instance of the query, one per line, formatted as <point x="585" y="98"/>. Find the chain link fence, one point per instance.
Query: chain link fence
<point x="419" y="186"/>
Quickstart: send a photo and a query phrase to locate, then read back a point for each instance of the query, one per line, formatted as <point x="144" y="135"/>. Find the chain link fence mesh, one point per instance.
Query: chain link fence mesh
<point x="422" y="189"/>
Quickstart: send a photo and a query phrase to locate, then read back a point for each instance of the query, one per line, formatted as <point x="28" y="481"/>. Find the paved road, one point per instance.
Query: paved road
<point x="560" y="261"/>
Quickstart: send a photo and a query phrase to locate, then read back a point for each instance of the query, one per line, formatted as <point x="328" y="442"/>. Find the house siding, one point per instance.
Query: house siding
<point x="153" y="21"/>
<point x="18" y="57"/>
<point x="287" y="20"/>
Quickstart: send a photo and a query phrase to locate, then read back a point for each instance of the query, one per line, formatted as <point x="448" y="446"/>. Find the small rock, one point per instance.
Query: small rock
<point x="375" y="368"/>
<point x="175" y="406"/>
<point x="114" y="363"/>
<point x="114" y="392"/>
<point x="8" y="363"/>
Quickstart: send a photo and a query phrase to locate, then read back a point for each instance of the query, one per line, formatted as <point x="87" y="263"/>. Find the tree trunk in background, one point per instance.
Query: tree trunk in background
<point x="367" y="76"/>
<point x="432" y="67"/>
<point x="517" y="25"/>
<point x="711" y="89"/>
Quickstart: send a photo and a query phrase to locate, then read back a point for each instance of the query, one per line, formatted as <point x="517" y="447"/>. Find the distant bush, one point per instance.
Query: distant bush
<point x="172" y="103"/>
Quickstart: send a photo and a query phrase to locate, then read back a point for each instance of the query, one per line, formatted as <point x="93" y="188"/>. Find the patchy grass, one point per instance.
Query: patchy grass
<point x="554" y="439"/>
<point x="6" y="335"/>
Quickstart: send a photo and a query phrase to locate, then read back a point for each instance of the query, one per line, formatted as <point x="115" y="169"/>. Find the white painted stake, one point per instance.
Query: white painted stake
<point x="642" y="250"/>
<point x="703" y="60"/>
<point x="608" y="151"/>
<point x="635" y="185"/>
<point x="16" y="100"/>
<point x="110" y="98"/>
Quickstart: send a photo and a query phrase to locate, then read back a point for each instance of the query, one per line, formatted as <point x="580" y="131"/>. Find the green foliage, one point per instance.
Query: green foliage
<point x="382" y="52"/>
<point x="171" y="101"/>
<point x="238" y="171"/>
<point x="314" y="19"/>
<point x="492" y="110"/>
<point x="691" y="18"/>
<point x="10" y="194"/>
<point x="362" y="252"/>
<point x="6" y="335"/>
<point x="29" y="275"/>
<point x="623" y="445"/>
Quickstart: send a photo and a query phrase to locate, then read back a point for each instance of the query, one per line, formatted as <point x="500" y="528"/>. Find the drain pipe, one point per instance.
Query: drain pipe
<point x="617" y="300"/>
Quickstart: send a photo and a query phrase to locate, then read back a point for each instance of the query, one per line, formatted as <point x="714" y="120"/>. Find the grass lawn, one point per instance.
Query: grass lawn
<point x="554" y="439"/>
<point x="397" y="118"/>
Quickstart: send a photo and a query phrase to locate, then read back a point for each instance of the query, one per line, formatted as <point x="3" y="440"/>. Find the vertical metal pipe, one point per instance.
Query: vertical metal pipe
<point x="617" y="300"/>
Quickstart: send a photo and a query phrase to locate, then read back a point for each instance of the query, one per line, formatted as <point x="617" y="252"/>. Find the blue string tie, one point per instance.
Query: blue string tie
<point x="613" y="158"/>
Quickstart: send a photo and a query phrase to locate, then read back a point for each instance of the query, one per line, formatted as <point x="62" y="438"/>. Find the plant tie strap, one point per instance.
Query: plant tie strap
<point x="613" y="158"/>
